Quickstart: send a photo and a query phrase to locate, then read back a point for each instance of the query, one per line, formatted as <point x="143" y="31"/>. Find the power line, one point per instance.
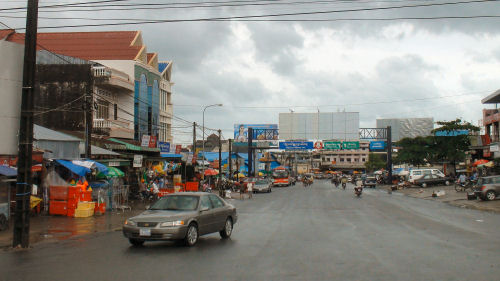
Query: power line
<point x="254" y="17"/>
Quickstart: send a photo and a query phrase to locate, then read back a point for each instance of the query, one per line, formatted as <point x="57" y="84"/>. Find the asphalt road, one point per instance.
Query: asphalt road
<point x="318" y="233"/>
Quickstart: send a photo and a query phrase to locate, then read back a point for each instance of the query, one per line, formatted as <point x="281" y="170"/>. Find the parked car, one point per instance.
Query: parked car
<point x="369" y="181"/>
<point x="416" y="174"/>
<point x="431" y="179"/>
<point x="182" y="216"/>
<point x="262" y="185"/>
<point x="488" y="188"/>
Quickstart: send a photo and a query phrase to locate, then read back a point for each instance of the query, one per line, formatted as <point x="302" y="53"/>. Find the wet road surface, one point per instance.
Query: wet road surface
<point x="318" y="233"/>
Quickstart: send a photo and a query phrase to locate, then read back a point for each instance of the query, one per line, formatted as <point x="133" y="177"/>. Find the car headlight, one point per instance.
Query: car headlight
<point x="131" y="223"/>
<point x="171" y="223"/>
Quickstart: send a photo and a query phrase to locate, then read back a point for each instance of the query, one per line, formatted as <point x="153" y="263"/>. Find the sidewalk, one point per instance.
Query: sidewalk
<point x="451" y="197"/>
<point x="55" y="228"/>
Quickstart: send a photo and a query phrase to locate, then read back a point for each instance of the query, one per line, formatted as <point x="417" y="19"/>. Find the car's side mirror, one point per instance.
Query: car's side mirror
<point x="203" y="209"/>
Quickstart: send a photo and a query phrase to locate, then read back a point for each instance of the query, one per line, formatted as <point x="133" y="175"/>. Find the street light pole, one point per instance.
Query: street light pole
<point x="205" y="108"/>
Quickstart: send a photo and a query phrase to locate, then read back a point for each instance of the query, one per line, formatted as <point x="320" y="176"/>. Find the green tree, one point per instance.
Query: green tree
<point x="375" y="162"/>
<point x="452" y="149"/>
<point x="416" y="151"/>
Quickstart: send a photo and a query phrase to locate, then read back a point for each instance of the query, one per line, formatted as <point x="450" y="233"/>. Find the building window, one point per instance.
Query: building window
<point x="364" y="160"/>
<point x="102" y="111"/>
<point x="115" y="109"/>
<point x="348" y="160"/>
<point x="341" y="159"/>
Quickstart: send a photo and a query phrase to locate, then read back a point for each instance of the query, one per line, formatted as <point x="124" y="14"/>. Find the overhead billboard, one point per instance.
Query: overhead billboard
<point x="241" y="132"/>
<point x="296" y="145"/>
<point x="377" y="145"/>
<point x="350" y="145"/>
<point x="332" y="145"/>
<point x="453" y="133"/>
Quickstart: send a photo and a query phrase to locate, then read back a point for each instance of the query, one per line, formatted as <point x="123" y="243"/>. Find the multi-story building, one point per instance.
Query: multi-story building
<point x="344" y="159"/>
<point x="126" y="54"/>
<point x="490" y="143"/>
<point x="166" y="107"/>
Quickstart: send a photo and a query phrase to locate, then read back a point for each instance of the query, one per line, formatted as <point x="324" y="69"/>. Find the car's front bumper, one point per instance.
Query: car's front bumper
<point x="164" y="233"/>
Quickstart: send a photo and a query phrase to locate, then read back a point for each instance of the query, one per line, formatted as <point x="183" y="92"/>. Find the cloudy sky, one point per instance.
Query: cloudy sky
<point x="438" y="68"/>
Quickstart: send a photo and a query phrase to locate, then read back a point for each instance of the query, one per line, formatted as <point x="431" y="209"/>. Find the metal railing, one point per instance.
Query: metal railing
<point x="102" y="71"/>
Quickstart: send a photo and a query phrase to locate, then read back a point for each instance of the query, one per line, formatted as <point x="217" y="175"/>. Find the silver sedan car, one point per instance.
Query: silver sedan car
<point x="182" y="216"/>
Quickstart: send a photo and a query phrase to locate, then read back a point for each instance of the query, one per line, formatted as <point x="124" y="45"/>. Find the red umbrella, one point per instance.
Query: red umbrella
<point x="480" y="162"/>
<point x="211" y="172"/>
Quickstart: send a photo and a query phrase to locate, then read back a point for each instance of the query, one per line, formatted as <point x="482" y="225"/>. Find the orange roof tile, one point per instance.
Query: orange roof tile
<point x="113" y="45"/>
<point x="6" y="32"/>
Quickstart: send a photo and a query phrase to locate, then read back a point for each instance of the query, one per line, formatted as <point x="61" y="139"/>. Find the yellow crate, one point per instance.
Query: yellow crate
<point x="85" y="205"/>
<point x="84" y="213"/>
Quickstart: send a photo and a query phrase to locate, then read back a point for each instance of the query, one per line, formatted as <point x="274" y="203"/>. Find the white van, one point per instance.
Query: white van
<point x="419" y="173"/>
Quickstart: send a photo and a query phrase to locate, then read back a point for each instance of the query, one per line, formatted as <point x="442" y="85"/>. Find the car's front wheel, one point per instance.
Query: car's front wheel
<point x="136" y="242"/>
<point x="191" y="235"/>
<point x="447" y="183"/>
<point x="424" y="185"/>
<point x="490" y="195"/>
<point x="228" y="229"/>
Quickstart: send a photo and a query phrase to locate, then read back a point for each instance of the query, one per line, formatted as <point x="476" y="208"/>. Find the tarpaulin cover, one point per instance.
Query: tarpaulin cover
<point x="7" y="171"/>
<point x="76" y="169"/>
<point x="170" y="155"/>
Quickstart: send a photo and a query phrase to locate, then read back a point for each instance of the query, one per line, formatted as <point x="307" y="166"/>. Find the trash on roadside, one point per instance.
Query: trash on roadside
<point x="421" y="191"/>
<point x="438" y="194"/>
<point x="471" y="196"/>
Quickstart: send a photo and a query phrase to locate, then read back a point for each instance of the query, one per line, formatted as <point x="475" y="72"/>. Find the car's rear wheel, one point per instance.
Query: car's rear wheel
<point x="490" y="195"/>
<point x="136" y="242"/>
<point x="228" y="229"/>
<point x="191" y="235"/>
<point x="447" y="183"/>
<point x="424" y="185"/>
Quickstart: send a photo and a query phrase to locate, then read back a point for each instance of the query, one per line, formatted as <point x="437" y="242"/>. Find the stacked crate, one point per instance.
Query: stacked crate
<point x="58" y="196"/>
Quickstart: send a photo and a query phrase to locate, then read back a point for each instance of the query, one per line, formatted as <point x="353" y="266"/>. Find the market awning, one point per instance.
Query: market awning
<point x="7" y="171"/>
<point x="76" y="169"/>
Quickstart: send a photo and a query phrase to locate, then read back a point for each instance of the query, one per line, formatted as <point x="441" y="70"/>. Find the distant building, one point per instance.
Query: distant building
<point x="320" y="126"/>
<point x="407" y="127"/>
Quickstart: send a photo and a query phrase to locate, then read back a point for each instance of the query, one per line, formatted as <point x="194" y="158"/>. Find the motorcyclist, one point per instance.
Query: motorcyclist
<point x="358" y="188"/>
<point x="344" y="181"/>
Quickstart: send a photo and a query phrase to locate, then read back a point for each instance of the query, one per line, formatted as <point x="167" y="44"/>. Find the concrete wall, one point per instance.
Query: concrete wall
<point x="11" y="76"/>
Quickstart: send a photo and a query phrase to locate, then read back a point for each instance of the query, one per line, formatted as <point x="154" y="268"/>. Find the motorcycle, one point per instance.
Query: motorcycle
<point x="358" y="190"/>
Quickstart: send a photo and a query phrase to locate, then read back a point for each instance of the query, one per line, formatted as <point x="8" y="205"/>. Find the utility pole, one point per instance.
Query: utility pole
<point x="221" y="192"/>
<point x="25" y="158"/>
<point x="89" y="106"/>
<point x="250" y="153"/>
<point x="230" y="159"/>
<point x="194" y="138"/>
<point x="389" y="153"/>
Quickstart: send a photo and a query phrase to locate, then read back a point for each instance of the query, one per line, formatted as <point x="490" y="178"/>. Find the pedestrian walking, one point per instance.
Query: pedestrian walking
<point x="250" y="190"/>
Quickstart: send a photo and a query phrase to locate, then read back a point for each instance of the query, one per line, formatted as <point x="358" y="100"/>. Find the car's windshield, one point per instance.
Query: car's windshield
<point x="280" y="174"/>
<point x="261" y="182"/>
<point x="176" y="203"/>
<point x="481" y="181"/>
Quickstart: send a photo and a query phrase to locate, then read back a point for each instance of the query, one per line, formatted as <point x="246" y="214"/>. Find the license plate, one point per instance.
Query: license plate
<point x="145" y="232"/>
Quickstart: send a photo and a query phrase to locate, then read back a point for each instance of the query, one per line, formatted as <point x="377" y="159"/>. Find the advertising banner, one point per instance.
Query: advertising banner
<point x="377" y="145"/>
<point x="287" y="145"/>
<point x="318" y="145"/>
<point x="148" y="141"/>
<point x="164" y="146"/>
<point x="178" y="149"/>
<point x="350" y="145"/>
<point x="241" y="132"/>
<point x="332" y="145"/>
<point x="451" y="133"/>
<point x="137" y="161"/>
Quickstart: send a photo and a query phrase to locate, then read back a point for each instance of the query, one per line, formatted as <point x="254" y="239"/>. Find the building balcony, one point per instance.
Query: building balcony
<point x="114" y="128"/>
<point x="112" y="79"/>
<point x="166" y="86"/>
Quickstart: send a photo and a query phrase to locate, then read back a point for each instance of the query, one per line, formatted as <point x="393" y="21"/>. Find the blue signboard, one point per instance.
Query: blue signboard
<point x="288" y="145"/>
<point x="377" y="145"/>
<point x="164" y="146"/>
<point x="451" y="133"/>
